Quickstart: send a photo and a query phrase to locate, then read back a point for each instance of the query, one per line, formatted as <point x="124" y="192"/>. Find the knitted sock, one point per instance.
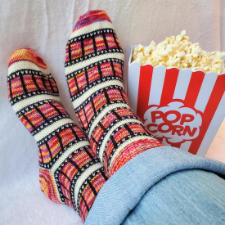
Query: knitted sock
<point x="94" y="72"/>
<point x="69" y="172"/>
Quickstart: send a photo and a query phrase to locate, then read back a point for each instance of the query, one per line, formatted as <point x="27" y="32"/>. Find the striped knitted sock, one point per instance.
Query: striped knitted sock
<point x="94" y="64"/>
<point x="69" y="172"/>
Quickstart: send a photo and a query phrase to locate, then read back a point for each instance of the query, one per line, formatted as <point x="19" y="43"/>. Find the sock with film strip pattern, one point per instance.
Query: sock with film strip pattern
<point x="94" y="72"/>
<point x="69" y="173"/>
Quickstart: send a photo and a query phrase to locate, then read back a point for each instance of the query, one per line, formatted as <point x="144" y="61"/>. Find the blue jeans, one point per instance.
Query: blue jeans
<point x="164" y="185"/>
<point x="185" y="197"/>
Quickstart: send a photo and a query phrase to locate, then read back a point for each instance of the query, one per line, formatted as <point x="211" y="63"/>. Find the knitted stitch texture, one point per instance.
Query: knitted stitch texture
<point x="69" y="173"/>
<point x="94" y="72"/>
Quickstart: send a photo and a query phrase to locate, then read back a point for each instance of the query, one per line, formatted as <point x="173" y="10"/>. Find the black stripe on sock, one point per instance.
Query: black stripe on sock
<point x="35" y="82"/>
<point x="41" y="113"/>
<point x="43" y="80"/>
<point x="66" y="198"/>
<point x="117" y="44"/>
<point x="103" y="174"/>
<point x="81" y="120"/>
<point x="69" y="51"/>
<point x="41" y="156"/>
<point x="105" y="41"/>
<point x="49" y="150"/>
<point x="85" y="202"/>
<point x="106" y="158"/>
<point x="94" y="140"/>
<point x="74" y="164"/>
<point x="23" y="84"/>
<point x="86" y="75"/>
<point x="10" y="89"/>
<point x="99" y="71"/>
<point x="74" y="133"/>
<point x="107" y="96"/>
<point x="92" y="187"/>
<point x="59" y="139"/>
<point x="103" y="128"/>
<point x="56" y="109"/>
<point x="116" y="115"/>
<point x="63" y="186"/>
<point x="82" y="48"/>
<point x="94" y="43"/>
<point x="128" y="129"/>
<point x="85" y="117"/>
<point x="75" y="79"/>
<point x="93" y="106"/>
<point x="50" y="85"/>
<point x="60" y="171"/>
<point x="114" y="142"/>
<point x="29" y="121"/>
<point x="88" y="153"/>
<point x="57" y="90"/>
<point x="114" y="72"/>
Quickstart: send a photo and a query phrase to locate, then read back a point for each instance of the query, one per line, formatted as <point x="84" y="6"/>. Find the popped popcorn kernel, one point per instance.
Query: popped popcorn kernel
<point x="179" y="52"/>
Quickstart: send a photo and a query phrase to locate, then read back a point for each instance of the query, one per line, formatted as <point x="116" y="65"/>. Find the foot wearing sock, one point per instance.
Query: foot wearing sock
<point x="69" y="172"/>
<point x="94" y="72"/>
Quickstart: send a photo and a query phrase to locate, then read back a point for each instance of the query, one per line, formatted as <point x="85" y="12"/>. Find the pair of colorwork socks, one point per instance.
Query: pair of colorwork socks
<point x="75" y="163"/>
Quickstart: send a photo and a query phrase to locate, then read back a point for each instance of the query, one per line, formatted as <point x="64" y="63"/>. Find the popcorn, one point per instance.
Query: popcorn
<point x="179" y="52"/>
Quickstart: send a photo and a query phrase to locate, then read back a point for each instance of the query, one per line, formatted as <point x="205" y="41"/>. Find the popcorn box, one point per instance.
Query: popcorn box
<point x="181" y="107"/>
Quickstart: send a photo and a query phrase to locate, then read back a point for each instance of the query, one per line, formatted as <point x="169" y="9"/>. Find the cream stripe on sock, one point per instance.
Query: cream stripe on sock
<point x="31" y="100"/>
<point x="49" y="129"/>
<point x="107" y="136"/>
<point x="89" y="61"/>
<point x="77" y="102"/>
<point x="92" y="27"/>
<point x="103" y="113"/>
<point x="25" y="65"/>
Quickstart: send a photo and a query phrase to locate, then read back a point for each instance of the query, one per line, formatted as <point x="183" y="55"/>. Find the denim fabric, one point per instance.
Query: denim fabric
<point x="186" y="197"/>
<point x="124" y="190"/>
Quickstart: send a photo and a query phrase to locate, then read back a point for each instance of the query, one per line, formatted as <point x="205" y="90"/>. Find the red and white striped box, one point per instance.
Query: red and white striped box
<point x="181" y="107"/>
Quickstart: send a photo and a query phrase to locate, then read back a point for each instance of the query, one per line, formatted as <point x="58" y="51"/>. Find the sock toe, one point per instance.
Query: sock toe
<point x="26" y="58"/>
<point x="90" y="17"/>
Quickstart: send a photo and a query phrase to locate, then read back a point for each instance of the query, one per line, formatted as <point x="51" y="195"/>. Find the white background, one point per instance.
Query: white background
<point x="45" y="26"/>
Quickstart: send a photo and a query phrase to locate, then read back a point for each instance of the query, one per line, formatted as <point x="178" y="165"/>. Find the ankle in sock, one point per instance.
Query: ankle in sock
<point x="69" y="171"/>
<point x="94" y="72"/>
